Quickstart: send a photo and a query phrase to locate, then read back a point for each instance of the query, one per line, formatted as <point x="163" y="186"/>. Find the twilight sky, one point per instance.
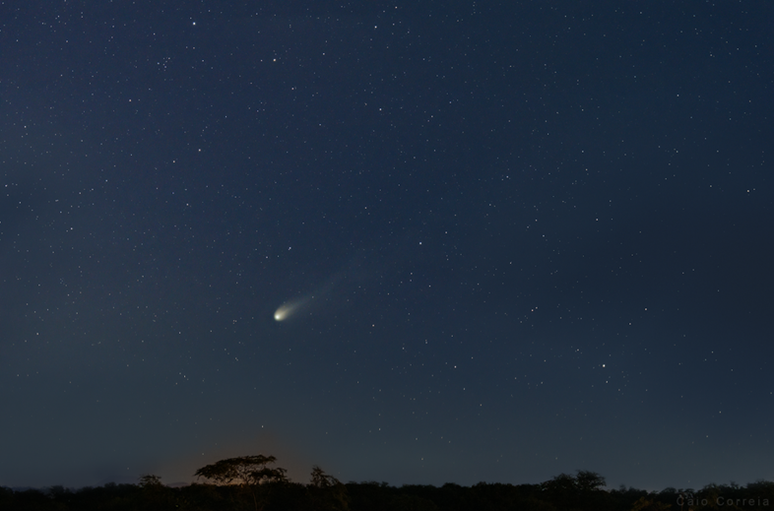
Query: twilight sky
<point x="512" y="239"/>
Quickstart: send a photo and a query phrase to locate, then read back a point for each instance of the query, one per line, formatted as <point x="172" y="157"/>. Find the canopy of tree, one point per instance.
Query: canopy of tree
<point x="244" y="471"/>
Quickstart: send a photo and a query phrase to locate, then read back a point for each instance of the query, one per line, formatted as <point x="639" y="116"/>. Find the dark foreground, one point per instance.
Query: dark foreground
<point x="584" y="491"/>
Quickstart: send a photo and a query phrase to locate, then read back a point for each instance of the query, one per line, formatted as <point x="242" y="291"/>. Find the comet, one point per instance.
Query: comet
<point x="309" y="301"/>
<point x="289" y="308"/>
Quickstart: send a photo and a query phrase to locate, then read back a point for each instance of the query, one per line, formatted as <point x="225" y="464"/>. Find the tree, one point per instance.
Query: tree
<point x="247" y="472"/>
<point x="582" y="491"/>
<point x="150" y="481"/>
<point x="322" y="480"/>
<point x="327" y="492"/>
<point x="587" y="480"/>
<point x="244" y="471"/>
<point x="154" y="495"/>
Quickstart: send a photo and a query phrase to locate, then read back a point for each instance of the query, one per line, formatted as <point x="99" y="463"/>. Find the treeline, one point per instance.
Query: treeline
<point x="583" y="491"/>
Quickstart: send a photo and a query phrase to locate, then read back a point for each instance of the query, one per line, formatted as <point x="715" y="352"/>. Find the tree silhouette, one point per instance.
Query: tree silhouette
<point x="327" y="492"/>
<point x="150" y="481"/>
<point x="586" y="480"/>
<point x="247" y="472"/>
<point x="243" y="471"/>
<point x="580" y="492"/>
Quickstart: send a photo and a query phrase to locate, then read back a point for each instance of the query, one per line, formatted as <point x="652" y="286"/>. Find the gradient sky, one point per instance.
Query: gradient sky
<point x="517" y="238"/>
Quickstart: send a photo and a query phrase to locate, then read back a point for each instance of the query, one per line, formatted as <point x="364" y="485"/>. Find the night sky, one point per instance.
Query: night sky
<point x="505" y="240"/>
